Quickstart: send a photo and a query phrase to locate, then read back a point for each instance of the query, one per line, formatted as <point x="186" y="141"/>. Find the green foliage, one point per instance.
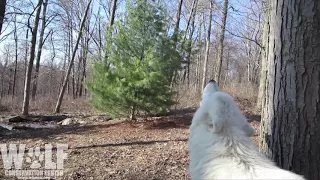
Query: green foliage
<point x="141" y="63"/>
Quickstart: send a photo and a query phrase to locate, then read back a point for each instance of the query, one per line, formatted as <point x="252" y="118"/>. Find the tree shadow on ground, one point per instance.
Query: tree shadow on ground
<point x="178" y="119"/>
<point x="253" y="117"/>
<point x="129" y="143"/>
<point x="37" y="118"/>
<point x="54" y="148"/>
<point x="51" y="133"/>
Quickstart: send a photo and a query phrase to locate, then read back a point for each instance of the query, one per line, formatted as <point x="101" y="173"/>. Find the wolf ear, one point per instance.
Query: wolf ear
<point x="217" y="127"/>
<point x="217" y="123"/>
<point x="200" y="115"/>
<point x="249" y="130"/>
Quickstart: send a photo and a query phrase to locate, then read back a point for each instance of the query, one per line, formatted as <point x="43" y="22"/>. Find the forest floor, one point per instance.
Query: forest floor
<point x="152" y="148"/>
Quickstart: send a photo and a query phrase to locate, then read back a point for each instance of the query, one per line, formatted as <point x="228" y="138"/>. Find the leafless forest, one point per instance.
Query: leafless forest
<point x="264" y="53"/>
<point x="40" y="37"/>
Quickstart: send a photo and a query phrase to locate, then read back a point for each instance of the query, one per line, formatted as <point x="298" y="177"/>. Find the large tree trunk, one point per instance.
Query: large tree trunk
<point x="290" y="129"/>
<point x="221" y="41"/>
<point x="40" y="45"/>
<point x="205" y="64"/>
<point x="64" y="86"/>
<point x="26" y="95"/>
<point x="2" y="12"/>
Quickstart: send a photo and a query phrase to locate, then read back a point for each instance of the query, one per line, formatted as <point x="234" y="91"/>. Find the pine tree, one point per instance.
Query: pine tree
<point x="141" y="61"/>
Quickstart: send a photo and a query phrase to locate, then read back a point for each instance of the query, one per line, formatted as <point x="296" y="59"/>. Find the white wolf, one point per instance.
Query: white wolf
<point x="220" y="145"/>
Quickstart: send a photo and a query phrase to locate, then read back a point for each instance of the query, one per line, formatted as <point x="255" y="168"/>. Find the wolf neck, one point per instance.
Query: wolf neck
<point x="238" y="147"/>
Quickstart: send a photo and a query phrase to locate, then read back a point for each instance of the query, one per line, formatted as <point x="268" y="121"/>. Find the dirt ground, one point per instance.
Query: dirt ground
<point x="154" y="148"/>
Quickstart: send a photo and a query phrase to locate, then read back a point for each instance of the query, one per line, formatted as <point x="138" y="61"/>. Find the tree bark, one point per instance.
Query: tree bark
<point x="221" y="41"/>
<point x="290" y="128"/>
<point x="133" y="113"/>
<point x="84" y="63"/>
<point x="40" y="45"/>
<point x="26" y="95"/>
<point x="60" y="98"/>
<point x="264" y="61"/>
<point x="205" y="64"/>
<point x="2" y="12"/>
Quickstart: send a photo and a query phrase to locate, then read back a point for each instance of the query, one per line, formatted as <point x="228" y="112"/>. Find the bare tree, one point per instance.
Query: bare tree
<point x="221" y="40"/>
<point x="190" y="41"/>
<point x="109" y="29"/>
<point x="26" y="50"/>
<point x="175" y="36"/>
<point x="25" y="105"/>
<point x="192" y="13"/>
<point x="177" y="25"/>
<point x="264" y="62"/>
<point x="199" y="55"/>
<point x="84" y="56"/>
<point x="4" y="71"/>
<point x="290" y="121"/>
<point x="205" y="64"/>
<point x="15" y="34"/>
<point x="113" y="13"/>
<point x="40" y="45"/>
<point x="63" y="88"/>
<point x="2" y="12"/>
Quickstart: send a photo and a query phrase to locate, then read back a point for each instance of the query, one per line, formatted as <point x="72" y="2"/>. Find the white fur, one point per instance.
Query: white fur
<point x="220" y="146"/>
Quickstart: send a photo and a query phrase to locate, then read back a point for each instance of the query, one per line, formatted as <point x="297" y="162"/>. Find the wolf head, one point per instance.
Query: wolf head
<point x="210" y="88"/>
<point x="221" y="111"/>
